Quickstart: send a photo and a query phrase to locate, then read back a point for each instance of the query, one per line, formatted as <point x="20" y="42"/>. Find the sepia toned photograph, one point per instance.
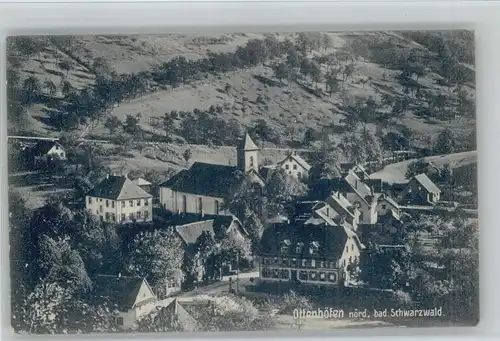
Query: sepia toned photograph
<point x="247" y="181"/>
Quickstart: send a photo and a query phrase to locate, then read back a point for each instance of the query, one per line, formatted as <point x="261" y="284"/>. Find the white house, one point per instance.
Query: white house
<point x="46" y="150"/>
<point x="362" y="197"/>
<point x="118" y="199"/>
<point x="132" y="297"/>
<point x="295" y="166"/>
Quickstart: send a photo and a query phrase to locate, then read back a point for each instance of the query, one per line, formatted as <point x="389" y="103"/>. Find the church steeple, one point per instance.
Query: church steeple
<point x="247" y="154"/>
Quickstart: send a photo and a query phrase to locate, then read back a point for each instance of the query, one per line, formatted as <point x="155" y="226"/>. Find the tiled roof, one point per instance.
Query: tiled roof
<point x="359" y="187"/>
<point x="189" y="233"/>
<point x="424" y="180"/>
<point x="332" y="239"/>
<point x="118" y="188"/>
<point x="121" y="291"/>
<point x="206" y="179"/>
<point x="219" y="223"/>
<point x="299" y="160"/>
<point x="247" y="144"/>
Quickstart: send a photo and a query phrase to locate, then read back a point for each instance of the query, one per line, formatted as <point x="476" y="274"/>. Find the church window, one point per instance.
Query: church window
<point x="184" y="204"/>
<point x="200" y="205"/>
<point x="216" y="207"/>
<point x="251" y="161"/>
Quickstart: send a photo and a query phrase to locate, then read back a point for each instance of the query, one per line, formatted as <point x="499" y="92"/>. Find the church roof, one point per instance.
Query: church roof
<point x="118" y="188"/>
<point x="206" y="179"/>
<point x="247" y="144"/>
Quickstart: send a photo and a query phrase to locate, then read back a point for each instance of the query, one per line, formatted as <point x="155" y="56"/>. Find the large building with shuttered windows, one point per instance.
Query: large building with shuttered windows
<point x="314" y="252"/>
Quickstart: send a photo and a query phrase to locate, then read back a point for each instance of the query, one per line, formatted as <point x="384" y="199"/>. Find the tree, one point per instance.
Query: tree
<point x="186" y="155"/>
<point x="65" y="66"/>
<point x="31" y="90"/>
<point x="168" y="124"/>
<point x="168" y="253"/>
<point x="60" y="263"/>
<point x="445" y="143"/>
<point x="347" y="72"/>
<point x="325" y="160"/>
<point x="66" y="88"/>
<point x="112" y="123"/>
<point x="231" y="313"/>
<point x="332" y="83"/>
<point x="131" y="125"/>
<point x="281" y="71"/>
<point x="315" y="72"/>
<point x="50" y="87"/>
<point x="279" y="190"/>
<point x="101" y="67"/>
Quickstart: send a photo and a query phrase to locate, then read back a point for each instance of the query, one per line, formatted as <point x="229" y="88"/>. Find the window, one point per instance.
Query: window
<point x="266" y="261"/>
<point x="287" y="167"/>
<point x="146" y="202"/>
<point x="332" y="277"/>
<point x="350" y="259"/>
<point x="216" y="207"/>
<point x="97" y="211"/>
<point x="322" y="264"/>
<point x="113" y="217"/>
<point x="200" y="205"/>
<point x="361" y="216"/>
<point x="251" y="161"/>
<point x="123" y="203"/>
<point x="100" y="200"/>
<point x="294" y="262"/>
<point x="352" y="247"/>
<point x="290" y="172"/>
<point x="184" y="204"/>
<point x="284" y="249"/>
<point x="303" y="263"/>
<point x="303" y="276"/>
<point x="284" y="262"/>
<point x="322" y="276"/>
<point x="100" y="209"/>
<point x="275" y="260"/>
<point x="131" y="216"/>
<point x="131" y="203"/>
<point x="384" y="206"/>
<point x="90" y="200"/>
<point x="57" y="147"/>
<point x="139" y="215"/>
<point x="146" y="215"/>
<point x="299" y="175"/>
<point x="267" y="273"/>
<point x="112" y="204"/>
<point x="123" y="217"/>
<point x="107" y="216"/>
<point x="107" y="203"/>
<point x="139" y="202"/>
<point x="119" y="321"/>
<point x="312" y="275"/>
<point x="298" y="248"/>
<point x="294" y="167"/>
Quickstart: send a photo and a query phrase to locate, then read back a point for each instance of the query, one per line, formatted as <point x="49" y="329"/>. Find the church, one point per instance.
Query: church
<point x="201" y="189"/>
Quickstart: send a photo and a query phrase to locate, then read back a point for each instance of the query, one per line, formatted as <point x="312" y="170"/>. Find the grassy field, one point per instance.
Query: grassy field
<point x="287" y="107"/>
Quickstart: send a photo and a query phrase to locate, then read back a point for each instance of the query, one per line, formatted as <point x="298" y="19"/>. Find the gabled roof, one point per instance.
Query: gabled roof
<point x="43" y="146"/>
<point x="206" y="179"/>
<point x="340" y="204"/>
<point x="122" y="291"/>
<point x="389" y="200"/>
<point x="118" y="188"/>
<point x="179" y="314"/>
<point x="332" y="239"/>
<point x="424" y="180"/>
<point x="353" y="166"/>
<point x="142" y="182"/>
<point x="220" y="223"/>
<point x="297" y="159"/>
<point x="247" y="144"/>
<point x="359" y="187"/>
<point x="189" y="233"/>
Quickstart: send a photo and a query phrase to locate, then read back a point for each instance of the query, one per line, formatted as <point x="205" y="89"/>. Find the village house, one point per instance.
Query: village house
<point x="46" y="151"/>
<point x="118" y="199"/>
<point x="203" y="188"/>
<point x="217" y="227"/>
<point x="313" y="253"/>
<point x="420" y="191"/>
<point x="131" y="296"/>
<point x="177" y="316"/>
<point x="361" y="196"/>
<point x="356" y="168"/>
<point x="295" y="166"/>
<point x="386" y="204"/>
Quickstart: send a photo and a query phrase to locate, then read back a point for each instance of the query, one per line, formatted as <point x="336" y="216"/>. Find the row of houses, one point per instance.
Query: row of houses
<point x="317" y="243"/>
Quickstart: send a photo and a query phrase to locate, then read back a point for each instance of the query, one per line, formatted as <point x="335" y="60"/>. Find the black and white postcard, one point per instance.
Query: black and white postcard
<point x="242" y="181"/>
